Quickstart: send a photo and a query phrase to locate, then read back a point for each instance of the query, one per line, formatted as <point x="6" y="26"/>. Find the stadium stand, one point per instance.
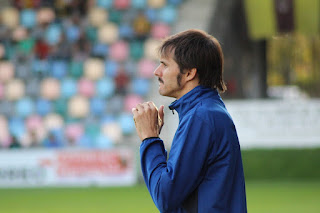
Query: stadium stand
<point x="71" y="70"/>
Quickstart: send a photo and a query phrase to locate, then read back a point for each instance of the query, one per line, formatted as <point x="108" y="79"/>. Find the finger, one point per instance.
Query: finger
<point x="161" y="113"/>
<point x="161" y="117"/>
<point x="140" y="108"/>
<point x="149" y="106"/>
<point x="134" y="111"/>
<point x="155" y="107"/>
<point x="152" y="105"/>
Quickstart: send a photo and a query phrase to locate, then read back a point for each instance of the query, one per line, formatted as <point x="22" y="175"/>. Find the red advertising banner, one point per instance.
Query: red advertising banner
<point x="67" y="167"/>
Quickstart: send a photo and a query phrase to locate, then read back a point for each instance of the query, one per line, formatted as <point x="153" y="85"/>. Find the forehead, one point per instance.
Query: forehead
<point x="167" y="54"/>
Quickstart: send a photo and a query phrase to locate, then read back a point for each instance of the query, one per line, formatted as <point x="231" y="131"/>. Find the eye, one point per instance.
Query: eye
<point x="164" y="64"/>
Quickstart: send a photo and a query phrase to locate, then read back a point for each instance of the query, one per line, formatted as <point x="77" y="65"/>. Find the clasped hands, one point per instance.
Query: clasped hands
<point x="148" y="119"/>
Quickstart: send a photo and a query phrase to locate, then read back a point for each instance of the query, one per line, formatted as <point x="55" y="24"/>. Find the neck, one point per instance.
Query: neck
<point x="187" y="88"/>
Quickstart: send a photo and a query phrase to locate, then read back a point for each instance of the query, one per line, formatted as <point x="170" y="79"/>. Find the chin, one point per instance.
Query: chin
<point x="166" y="94"/>
<point x="161" y="92"/>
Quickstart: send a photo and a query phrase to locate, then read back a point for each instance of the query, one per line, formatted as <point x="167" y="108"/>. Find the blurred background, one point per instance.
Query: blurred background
<point x="71" y="71"/>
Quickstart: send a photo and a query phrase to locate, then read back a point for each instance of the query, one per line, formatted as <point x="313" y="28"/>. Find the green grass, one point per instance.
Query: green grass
<point x="76" y="200"/>
<point x="283" y="197"/>
<point x="268" y="197"/>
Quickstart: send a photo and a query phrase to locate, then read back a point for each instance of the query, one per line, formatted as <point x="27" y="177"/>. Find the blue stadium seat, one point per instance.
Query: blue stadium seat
<point x="126" y="123"/>
<point x="53" y="34"/>
<point x="92" y="130"/>
<point x="24" y="107"/>
<point x="68" y="87"/>
<point x="107" y="118"/>
<point x="17" y="127"/>
<point x="140" y="86"/>
<point x="59" y="69"/>
<point x="100" y="50"/>
<point x="151" y="14"/>
<point x="6" y="108"/>
<point x="28" y="18"/>
<point x="175" y="2"/>
<point x="167" y="14"/>
<point x="43" y="107"/>
<point x="126" y="31"/>
<point x="72" y="33"/>
<point x="85" y="141"/>
<point x="102" y="141"/>
<point x="22" y="70"/>
<point x="33" y="87"/>
<point x="111" y="68"/>
<point x="97" y="106"/>
<point x="130" y="67"/>
<point x="107" y="4"/>
<point x="105" y="87"/>
<point x="115" y="105"/>
<point x="40" y="66"/>
<point x="139" y="4"/>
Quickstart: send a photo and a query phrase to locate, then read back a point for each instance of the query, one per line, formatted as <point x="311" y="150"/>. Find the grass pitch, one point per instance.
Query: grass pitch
<point x="262" y="197"/>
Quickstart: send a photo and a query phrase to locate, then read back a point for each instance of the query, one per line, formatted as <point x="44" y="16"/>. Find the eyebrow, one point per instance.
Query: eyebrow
<point x="163" y="62"/>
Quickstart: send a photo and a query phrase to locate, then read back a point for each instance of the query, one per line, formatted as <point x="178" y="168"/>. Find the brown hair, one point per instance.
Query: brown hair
<point x="197" y="49"/>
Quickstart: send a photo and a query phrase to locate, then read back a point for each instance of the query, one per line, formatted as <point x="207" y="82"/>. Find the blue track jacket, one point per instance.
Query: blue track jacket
<point x="204" y="170"/>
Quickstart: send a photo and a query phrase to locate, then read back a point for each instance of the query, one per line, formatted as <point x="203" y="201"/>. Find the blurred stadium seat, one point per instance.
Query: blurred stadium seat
<point x="70" y="73"/>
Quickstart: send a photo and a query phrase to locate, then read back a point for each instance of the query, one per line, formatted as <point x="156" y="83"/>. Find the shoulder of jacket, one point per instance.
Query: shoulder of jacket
<point x="202" y="113"/>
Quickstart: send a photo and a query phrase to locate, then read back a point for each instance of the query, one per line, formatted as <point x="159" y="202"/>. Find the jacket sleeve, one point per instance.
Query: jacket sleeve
<point x="171" y="181"/>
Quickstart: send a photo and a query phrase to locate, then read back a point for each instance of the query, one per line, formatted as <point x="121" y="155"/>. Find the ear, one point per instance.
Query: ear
<point x="191" y="74"/>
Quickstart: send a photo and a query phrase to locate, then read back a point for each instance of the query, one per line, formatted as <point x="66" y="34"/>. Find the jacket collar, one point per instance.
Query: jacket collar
<point x="190" y="99"/>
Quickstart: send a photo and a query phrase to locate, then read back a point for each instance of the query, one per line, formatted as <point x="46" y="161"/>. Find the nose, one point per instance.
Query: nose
<point x="157" y="72"/>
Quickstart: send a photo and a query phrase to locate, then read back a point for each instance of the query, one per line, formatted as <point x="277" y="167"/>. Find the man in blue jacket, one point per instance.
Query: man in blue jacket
<point x="204" y="170"/>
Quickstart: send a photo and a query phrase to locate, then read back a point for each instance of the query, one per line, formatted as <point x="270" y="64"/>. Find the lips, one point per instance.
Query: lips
<point x="160" y="80"/>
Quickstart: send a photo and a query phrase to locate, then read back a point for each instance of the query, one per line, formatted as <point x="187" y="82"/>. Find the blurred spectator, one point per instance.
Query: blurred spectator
<point x="81" y="48"/>
<point x="141" y="26"/>
<point x="34" y="141"/>
<point x="62" y="50"/>
<point x="41" y="49"/>
<point x="77" y="6"/>
<point x="44" y="3"/>
<point x="52" y="141"/>
<point x="14" y="143"/>
<point x="71" y="142"/>
<point x="122" y="80"/>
